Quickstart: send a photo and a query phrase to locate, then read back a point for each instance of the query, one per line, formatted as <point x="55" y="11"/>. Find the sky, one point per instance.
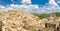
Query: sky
<point x="32" y="6"/>
<point x="8" y="2"/>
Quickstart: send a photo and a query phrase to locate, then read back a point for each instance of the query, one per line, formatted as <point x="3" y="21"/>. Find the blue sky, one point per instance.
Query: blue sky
<point x="38" y="2"/>
<point x="7" y="2"/>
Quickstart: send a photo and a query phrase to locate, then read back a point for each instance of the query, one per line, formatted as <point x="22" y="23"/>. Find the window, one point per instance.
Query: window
<point x="48" y="25"/>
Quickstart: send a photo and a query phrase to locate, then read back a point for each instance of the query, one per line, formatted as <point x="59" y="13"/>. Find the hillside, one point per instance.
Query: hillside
<point x="41" y="16"/>
<point x="17" y="21"/>
<point x="50" y="22"/>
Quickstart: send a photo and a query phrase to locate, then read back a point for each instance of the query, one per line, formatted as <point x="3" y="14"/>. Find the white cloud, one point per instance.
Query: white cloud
<point x="52" y="2"/>
<point x="26" y="1"/>
<point x="58" y="2"/>
<point x="33" y="8"/>
<point x="2" y="6"/>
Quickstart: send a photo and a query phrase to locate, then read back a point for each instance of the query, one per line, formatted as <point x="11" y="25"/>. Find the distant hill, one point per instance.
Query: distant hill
<point x="57" y="14"/>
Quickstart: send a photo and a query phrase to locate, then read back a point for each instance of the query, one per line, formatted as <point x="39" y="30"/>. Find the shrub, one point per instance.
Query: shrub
<point x="33" y="30"/>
